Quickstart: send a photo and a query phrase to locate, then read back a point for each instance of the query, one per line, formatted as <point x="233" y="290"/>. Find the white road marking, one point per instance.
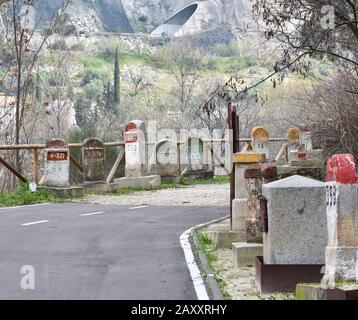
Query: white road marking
<point x="35" y="222"/>
<point x="28" y="206"/>
<point x="91" y="214"/>
<point x="139" y="207"/>
<point x="195" y="273"/>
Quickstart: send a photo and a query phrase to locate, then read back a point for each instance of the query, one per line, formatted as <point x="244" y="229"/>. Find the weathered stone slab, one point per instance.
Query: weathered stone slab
<point x="94" y="160"/>
<point x="249" y="157"/>
<point x="255" y="176"/>
<point x="297" y="222"/>
<point x="244" y="254"/>
<point x="241" y="161"/>
<point x="146" y="182"/>
<point x="57" y="164"/>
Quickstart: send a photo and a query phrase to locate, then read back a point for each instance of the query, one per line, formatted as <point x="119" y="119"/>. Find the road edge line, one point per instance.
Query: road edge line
<point x="25" y="206"/>
<point x="195" y="273"/>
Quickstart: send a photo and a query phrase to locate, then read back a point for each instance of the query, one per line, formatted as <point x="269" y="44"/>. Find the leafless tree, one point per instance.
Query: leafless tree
<point x="21" y="43"/>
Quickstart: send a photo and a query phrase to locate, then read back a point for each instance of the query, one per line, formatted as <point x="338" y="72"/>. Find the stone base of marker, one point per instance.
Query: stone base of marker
<point x="146" y="182"/>
<point x="66" y="192"/>
<point x="168" y="172"/>
<point x="244" y="254"/>
<point x="315" y="291"/>
<point x="341" y="264"/>
<point x="192" y="175"/>
<point x="239" y="213"/>
<point x="225" y="239"/>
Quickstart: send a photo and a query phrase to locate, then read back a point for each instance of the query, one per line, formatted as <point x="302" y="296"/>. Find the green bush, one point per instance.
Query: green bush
<point x="22" y="196"/>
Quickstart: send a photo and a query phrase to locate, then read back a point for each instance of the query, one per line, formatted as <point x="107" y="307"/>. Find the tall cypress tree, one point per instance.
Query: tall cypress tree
<point x="116" y="84"/>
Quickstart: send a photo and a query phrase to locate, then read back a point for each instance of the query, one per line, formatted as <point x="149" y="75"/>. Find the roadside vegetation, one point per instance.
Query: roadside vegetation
<point x="22" y="196"/>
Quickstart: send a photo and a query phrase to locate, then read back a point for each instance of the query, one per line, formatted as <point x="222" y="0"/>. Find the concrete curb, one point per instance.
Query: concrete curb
<point x="207" y="278"/>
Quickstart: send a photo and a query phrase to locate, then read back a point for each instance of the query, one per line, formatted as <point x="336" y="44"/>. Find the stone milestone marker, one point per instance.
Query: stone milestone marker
<point x="135" y="148"/>
<point x="293" y="143"/>
<point x="57" y="164"/>
<point x="94" y="159"/>
<point x="297" y="222"/>
<point x="260" y="141"/>
<point x="342" y="214"/>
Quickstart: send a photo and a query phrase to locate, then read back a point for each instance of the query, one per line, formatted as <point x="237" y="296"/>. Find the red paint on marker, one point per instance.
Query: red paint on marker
<point x="341" y="168"/>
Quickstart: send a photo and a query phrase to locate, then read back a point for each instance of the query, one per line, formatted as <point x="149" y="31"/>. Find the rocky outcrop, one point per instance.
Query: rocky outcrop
<point x="128" y="16"/>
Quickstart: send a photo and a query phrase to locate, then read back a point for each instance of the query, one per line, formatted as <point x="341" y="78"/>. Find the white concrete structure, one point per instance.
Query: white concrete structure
<point x="57" y="164"/>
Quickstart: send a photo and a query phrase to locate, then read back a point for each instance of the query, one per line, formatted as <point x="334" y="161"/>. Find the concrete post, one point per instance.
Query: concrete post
<point x="342" y="215"/>
<point x="57" y="164"/>
<point x="239" y="205"/>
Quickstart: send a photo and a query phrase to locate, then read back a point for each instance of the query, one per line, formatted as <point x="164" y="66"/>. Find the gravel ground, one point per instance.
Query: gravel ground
<point x="239" y="283"/>
<point x="199" y="195"/>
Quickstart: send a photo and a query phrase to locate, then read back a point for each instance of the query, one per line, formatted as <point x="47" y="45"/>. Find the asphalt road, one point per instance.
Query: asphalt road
<point x="83" y="251"/>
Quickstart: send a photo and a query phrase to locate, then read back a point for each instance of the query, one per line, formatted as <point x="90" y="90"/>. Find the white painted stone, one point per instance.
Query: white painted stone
<point x="57" y="164"/>
<point x="240" y="184"/>
<point x="297" y="221"/>
<point x="342" y="221"/>
<point x="135" y="149"/>
<point x="239" y="212"/>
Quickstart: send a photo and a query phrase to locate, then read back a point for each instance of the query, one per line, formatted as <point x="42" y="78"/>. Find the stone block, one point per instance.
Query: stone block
<point x="240" y="186"/>
<point x="249" y="157"/>
<point x="315" y="154"/>
<point x="306" y="163"/>
<point x="308" y="291"/>
<point x="244" y="254"/>
<point x="66" y="192"/>
<point x="297" y="221"/>
<point x="225" y="239"/>
<point x="239" y="213"/>
<point x="94" y="160"/>
<point x="145" y="182"/>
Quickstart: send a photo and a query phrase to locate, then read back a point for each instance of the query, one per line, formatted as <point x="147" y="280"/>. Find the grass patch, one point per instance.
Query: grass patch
<point x="208" y="246"/>
<point x="214" y="180"/>
<point x="22" y="196"/>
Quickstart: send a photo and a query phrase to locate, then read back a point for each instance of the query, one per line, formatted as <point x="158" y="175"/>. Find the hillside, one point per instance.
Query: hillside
<point x="143" y="15"/>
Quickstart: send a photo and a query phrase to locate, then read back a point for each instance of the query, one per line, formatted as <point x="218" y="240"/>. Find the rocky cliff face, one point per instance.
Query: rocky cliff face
<point x="143" y="15"/>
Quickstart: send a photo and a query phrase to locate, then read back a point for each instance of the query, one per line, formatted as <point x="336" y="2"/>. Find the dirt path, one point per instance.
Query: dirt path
<point x="198" y="195"/>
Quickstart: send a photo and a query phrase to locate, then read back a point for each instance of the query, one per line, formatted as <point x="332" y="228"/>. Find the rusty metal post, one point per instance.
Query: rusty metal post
<point x="233" y="121"/>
